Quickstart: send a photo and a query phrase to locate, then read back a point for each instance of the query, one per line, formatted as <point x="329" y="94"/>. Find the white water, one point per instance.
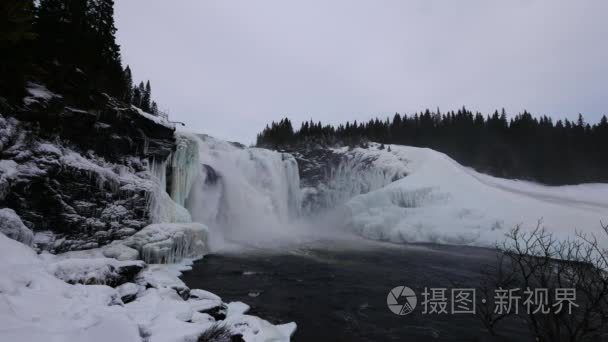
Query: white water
<point x="247" y="195"/>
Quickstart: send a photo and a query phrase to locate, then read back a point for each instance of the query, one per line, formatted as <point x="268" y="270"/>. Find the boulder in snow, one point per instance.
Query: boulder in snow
<point x="12" y="226"/>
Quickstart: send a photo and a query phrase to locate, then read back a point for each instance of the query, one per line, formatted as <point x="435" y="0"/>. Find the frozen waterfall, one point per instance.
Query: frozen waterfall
<point x="173" y="236"/>
<point x="175" y="178"/>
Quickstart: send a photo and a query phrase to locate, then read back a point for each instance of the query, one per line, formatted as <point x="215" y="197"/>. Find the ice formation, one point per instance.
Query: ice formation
<point x="166" y="243"/>
<point x="358" y="171"/>
<point x="185" y="166"/>
<point x="441" y="201"/>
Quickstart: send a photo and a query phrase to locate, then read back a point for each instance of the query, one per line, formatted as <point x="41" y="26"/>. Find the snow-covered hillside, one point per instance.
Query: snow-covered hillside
<point x="441" y="201"/>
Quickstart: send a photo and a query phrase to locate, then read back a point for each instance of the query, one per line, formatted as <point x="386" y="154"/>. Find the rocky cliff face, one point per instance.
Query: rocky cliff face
<point x="84" y="174"/>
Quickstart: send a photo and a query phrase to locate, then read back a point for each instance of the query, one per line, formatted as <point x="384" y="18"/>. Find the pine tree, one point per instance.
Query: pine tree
<point x="80" y="34"/>
<point x="137" y="96"/>
<point x="523" y="147"/>
<point x="146" y="96"/>
<point x="141" y="90"/>
<point x="154" y="108"/>
<point x="128" y="94"/>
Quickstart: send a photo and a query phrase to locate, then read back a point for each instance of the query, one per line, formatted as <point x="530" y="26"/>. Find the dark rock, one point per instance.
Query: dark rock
<point x="237" y="338"/>
<point x="183" y="292"/>
<point x="211" y="176"/>
<point x="217" y="312"/>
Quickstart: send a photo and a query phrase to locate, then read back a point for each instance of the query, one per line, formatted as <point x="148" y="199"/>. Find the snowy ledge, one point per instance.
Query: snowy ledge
<point x="44" y="297"/>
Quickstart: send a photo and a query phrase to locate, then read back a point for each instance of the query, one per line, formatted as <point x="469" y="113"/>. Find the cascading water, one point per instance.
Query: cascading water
<point x="245" y="194"/>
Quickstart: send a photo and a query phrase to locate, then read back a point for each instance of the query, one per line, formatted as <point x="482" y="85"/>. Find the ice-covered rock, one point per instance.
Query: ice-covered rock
<point x="11" y="226"/>
<point x="202" y="294"/>
<point x="165" y="243"/>
<point x="128" y="292"/>
<point x="119" y="251"/>
<point x="104" y="271"/>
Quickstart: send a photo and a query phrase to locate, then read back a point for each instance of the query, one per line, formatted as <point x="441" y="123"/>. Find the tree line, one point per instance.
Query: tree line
<point x="522" y="147"/>
<point x="70" y="45"/>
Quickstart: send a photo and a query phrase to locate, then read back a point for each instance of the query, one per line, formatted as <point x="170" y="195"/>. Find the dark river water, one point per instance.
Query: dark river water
<point x="337" y="290"/>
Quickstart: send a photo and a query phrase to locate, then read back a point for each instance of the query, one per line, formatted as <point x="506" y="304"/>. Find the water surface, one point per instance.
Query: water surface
<point x="337" y="290"/>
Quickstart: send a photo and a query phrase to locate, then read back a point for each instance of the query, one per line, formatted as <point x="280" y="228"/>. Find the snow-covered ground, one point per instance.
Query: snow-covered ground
<point x="43" y="297"/>
<point x="441" y="201"/>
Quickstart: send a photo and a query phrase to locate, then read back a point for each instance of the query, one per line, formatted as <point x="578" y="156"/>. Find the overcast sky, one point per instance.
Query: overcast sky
<point x="228" y="67"/>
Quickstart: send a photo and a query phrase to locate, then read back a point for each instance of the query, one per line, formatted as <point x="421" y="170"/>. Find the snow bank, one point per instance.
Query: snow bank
<point x="36" y="305"/>
<point x="11" y="226"/>
<point x="441" y="201"/>
<point x="167" y="243"/>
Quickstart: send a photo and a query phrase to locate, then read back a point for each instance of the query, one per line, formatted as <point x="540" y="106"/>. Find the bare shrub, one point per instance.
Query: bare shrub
<point x="536" y="260"/>
<point x="216" y="333"/>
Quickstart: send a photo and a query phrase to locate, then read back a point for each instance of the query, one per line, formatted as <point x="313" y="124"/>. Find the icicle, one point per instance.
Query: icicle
<point x="185" y="166"/>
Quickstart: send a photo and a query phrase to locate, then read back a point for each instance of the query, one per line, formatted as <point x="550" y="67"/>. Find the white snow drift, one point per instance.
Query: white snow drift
<point x="441" y="201"/>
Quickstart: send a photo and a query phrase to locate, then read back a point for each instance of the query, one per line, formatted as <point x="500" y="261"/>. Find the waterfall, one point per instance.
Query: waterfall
<point x="242" y="194"/>
<point x="245" y="193"/>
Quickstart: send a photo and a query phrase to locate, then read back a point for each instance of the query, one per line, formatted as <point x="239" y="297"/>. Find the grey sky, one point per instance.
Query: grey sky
<point x="228" y="67"/>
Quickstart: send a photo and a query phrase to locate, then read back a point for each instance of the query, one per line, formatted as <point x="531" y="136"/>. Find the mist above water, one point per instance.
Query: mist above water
<point x="250" y="196"/>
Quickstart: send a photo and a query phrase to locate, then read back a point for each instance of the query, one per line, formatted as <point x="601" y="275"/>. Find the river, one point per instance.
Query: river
<point x="336" y="290"/>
